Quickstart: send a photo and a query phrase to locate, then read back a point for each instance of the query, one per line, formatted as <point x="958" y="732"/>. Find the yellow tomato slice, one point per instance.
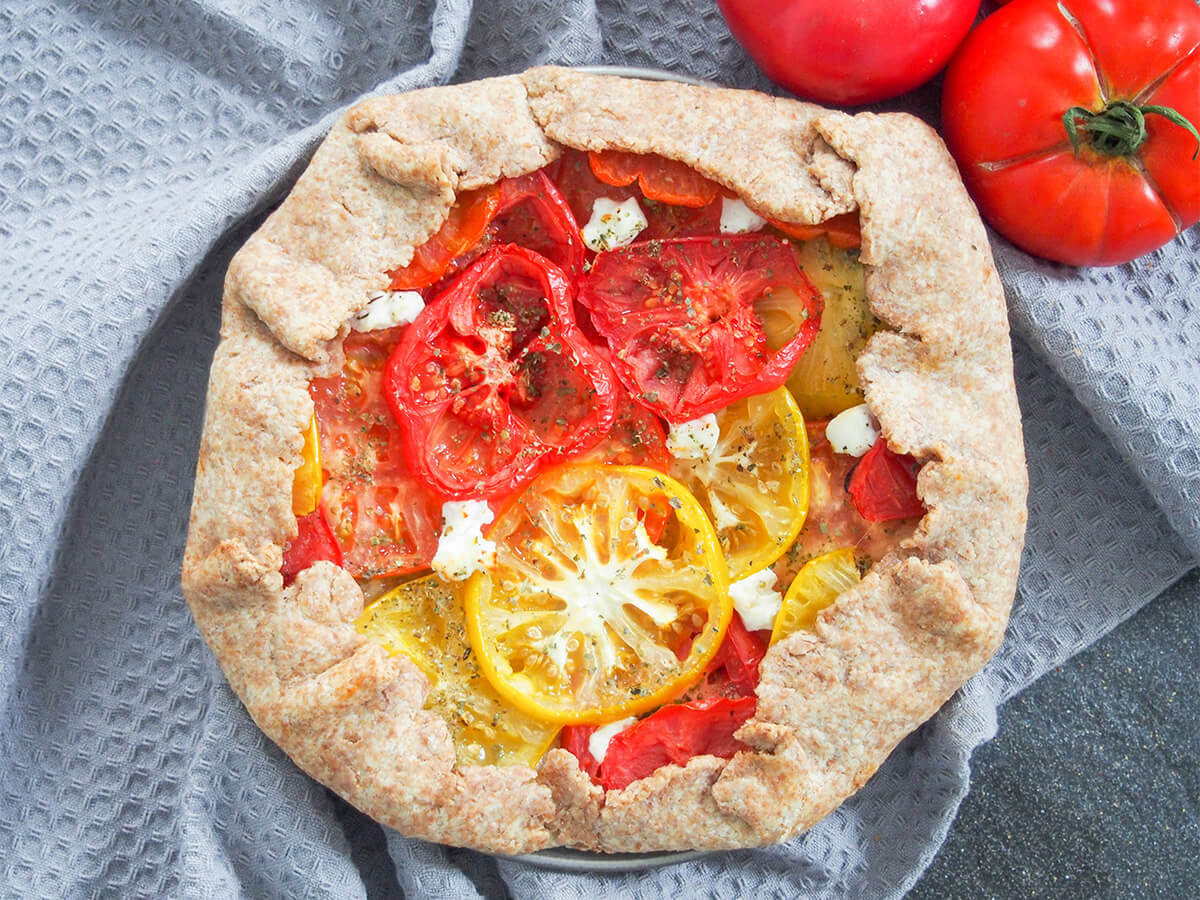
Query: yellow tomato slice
<point x="423" y="619"/>
<point x="306" y="487"/>
<point x="820" y="582"/>
<point x="608" y="598"/>
<point x="754" y="486"/>
<point x="825" y="380"/>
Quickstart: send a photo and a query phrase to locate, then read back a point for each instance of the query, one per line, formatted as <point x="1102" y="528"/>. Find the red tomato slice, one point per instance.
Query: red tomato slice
<point x="534" y="214"/>
<point x="680" y="319"/>
<point x="637" y="438"/>
<point x="528" y="210"/>
<point x="733" y="672"/>
<point x="385" y="521"/>
<point x="883" y="485"/>
<point x="661" y="179"/>
<point x="312" y="543"/>
<point x="671" y="734"/>
<point x="842" y="231"/>
<point x="469" y="218"/>
<point x="494" y="380"/>
<point x="579" y="185"/>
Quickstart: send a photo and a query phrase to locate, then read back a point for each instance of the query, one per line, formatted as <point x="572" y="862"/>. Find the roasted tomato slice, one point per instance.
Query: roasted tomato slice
<point x="469" y="218"/>
<point x="587" y="616"/>
<point x="528" y="210"/>
<point x="312" y="543"/>
<point x="385" y="521"/>
<point x="833" y="522"/>
<point x="672" y="734"/>
<point x="573" y="174"/>
<point x="884" y="485"/>
<point x="423" y="619"/>
<point x="816" y="586"/>
<point x="682" y="322"/>
<point x="660" y="179"/>
<point x="844" y="231"/>
<point x="733" y="672"/>
<point x="494" y="380"/>
<point x="637" y="438"/>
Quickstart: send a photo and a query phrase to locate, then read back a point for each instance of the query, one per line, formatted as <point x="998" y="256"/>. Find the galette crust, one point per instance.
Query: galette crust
<point x="833" y="702"/>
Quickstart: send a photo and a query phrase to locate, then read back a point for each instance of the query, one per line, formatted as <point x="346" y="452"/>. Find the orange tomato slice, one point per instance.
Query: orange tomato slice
<point x="843" y="231"/>
<point x="586" y="616"/>
<point x="659" y="178"/>
<point x="469" y="218"/>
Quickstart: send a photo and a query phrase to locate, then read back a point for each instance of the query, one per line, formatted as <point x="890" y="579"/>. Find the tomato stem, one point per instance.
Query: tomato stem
<point x="1120" y="128"/>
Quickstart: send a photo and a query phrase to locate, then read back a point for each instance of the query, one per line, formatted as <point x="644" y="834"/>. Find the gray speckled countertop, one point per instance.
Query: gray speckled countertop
<point x="1091" y="789"/>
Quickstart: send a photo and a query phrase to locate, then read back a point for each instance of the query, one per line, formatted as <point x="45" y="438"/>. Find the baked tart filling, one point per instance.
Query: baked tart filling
<point x="599" y="445"/>
<point x="610" y="463"/>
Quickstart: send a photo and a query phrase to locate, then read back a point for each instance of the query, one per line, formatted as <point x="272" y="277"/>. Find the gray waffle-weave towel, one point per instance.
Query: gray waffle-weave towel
<point x="140" y="142"/>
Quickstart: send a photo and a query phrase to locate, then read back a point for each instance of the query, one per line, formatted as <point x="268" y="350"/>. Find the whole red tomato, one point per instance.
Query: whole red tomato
<point x="849" y="51"/>
<point x="1072" y="124"/>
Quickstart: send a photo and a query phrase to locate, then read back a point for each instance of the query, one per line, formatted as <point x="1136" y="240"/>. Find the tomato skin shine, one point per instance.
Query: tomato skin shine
<point x="1107" y="62"/>
<point x="852" y="52"/>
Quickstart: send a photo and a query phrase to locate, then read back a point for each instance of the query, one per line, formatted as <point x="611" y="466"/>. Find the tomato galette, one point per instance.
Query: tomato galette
<point x="619" y="464"/>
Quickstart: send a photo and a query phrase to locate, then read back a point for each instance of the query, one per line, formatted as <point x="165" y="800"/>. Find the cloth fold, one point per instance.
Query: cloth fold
<point x="140" y="143"/>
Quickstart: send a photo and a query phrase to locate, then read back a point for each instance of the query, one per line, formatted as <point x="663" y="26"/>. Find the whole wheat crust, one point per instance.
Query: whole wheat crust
<point x="833" y="702"/>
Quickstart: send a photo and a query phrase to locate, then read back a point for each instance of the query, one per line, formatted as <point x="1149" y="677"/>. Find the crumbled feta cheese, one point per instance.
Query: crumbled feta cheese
<point x="738" y="218"/>
<point x="756" y="600"/>
<point x="696" y="439"/>
<point x="598" y="742"/>
<point x="853" y="431"/>
<point x="387" y="309"/>
<point x="613" y="224"/>
<point x="462" y="548"/>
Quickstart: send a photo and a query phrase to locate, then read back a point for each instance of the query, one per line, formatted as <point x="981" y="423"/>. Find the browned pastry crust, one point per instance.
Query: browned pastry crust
<point x="833" y="702"/>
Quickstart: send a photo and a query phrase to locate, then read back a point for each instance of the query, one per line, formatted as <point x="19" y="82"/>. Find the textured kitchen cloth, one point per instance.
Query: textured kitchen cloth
<point x="139" y="144"/>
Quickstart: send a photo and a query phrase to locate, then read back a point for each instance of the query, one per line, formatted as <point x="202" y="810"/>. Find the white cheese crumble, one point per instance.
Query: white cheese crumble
<point x="738" y="218"/>
<point x="387" y="309"/>
<point x="756" y="600"/>
<point x="598" y="742"/>
<point x="696" y="439"/>
<point x="462" y="548"/>
<point x="853" y="431"/>
<point x="613" y="224"/>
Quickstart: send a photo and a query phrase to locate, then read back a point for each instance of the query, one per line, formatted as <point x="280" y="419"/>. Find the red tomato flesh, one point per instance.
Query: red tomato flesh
<point x="312" y="543"/>
<point x="494" y="380"/>
<point x="883" y="485"/>
<point x="385" y="521"/>
<point x="659" y="178"/>
<point x="670" y="735"/>
<point x="679" y="317"/>
<point x="528" y="210"/>
<point x="579" y="185"/>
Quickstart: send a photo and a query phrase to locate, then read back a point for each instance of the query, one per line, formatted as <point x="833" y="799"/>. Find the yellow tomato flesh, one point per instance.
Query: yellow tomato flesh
<point x="825" y="381"/>
<point x="754" y="486"/>
<point x="306" y="486"/>
<point x="608" y="598"/>
<point x="819" y="583"/>
<point x="423" y="619"/>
